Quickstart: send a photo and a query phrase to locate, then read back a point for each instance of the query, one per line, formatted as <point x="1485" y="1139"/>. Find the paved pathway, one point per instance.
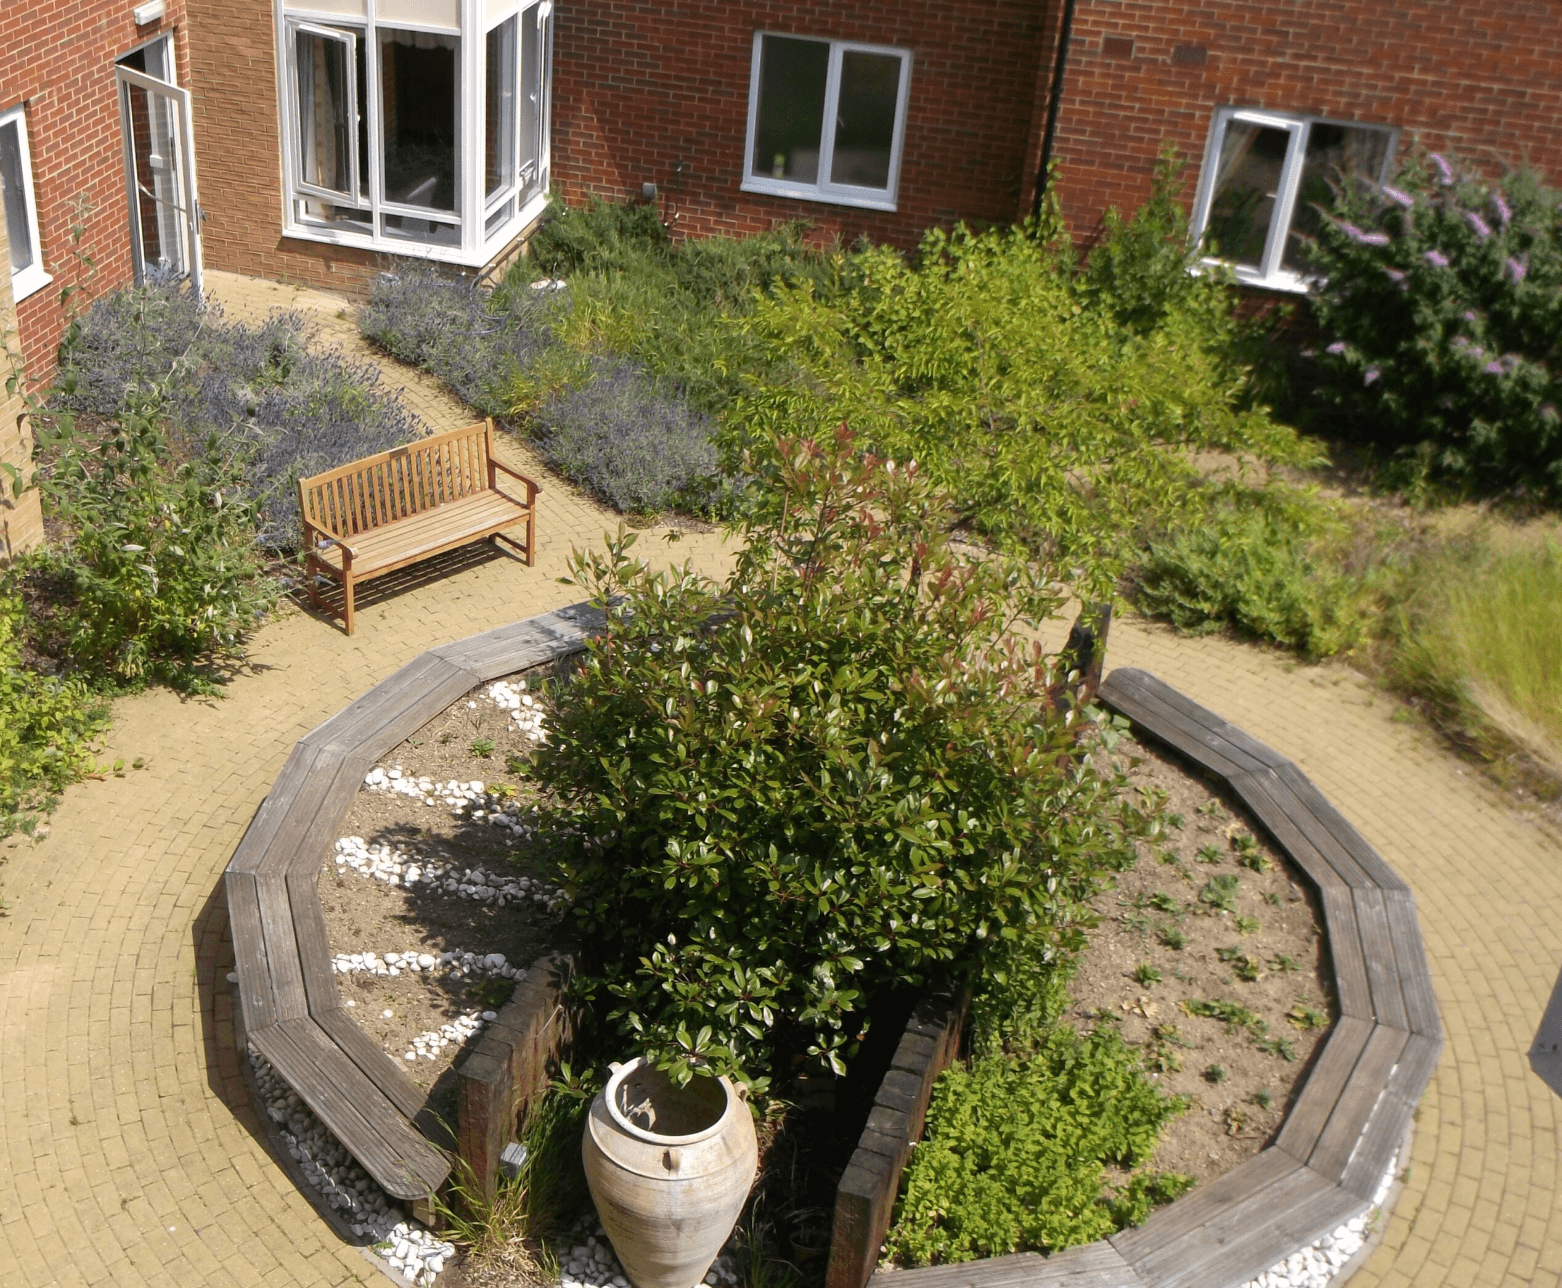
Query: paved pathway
<point x="129" y="1149"/>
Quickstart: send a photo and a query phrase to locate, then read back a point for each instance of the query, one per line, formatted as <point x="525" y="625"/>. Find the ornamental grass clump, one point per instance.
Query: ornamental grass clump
<point x="1441" y="295"/>
<point x="829" y="776"/>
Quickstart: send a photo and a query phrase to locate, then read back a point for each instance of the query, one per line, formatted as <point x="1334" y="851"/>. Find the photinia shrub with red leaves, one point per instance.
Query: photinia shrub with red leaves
<point x="831" y="775"/>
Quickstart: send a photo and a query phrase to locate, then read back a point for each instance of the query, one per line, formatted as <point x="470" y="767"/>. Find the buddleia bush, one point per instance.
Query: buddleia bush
<point x="1441" y="295"/>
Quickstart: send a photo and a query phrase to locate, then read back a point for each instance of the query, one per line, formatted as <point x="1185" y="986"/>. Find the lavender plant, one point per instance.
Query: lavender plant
<point x="641" y="450"/>
<point x="1442" y="297"/>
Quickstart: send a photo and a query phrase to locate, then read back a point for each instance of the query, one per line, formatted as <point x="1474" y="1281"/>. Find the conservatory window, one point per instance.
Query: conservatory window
<point x="826" y="120"/>
<point x="406" y="131"/>
<point x="21" y="211"/>
<point x="1265" y="177"/>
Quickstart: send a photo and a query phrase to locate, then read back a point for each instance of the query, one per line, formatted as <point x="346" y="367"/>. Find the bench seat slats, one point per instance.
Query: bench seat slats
<point x="1352" y="985"/>
<point x="1415" y="975"/>
<point x="1310" y="1113"/>
<point x="1391" y="1116"/>
<point x="1266" y="804"/>
<point x="314" y="944"/>
<point x="1354" y="1109"/>
<point x="276" y="809"/>
<point x="249" y="949"/>
<point x="1093" y="1265"/>
<point x="408" y="540"/>
<point x="1340" y="830"/>
<point x="1388" y="1002"/>
<point x="378" y="1066"/>
<point x="524" y="644"/>
<point x="399" y="705"/>
<point x="1142" y="704"/>
<point x="1169" y="1225"/>
<point x="289" y="1000"/>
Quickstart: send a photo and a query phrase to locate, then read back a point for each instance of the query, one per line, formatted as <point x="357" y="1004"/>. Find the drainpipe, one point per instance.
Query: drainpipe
<point x="1054" y="102"/>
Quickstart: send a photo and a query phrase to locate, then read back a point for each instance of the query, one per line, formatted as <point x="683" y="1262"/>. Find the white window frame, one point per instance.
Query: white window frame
<point x="838" y="194"/>
<point x="33" y="278"/>
<point x="1270" y="273"/>
<point x="476" y="18"/>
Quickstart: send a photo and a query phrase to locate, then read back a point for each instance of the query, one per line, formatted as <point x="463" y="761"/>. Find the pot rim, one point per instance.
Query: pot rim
<point x="610" y="1103"/>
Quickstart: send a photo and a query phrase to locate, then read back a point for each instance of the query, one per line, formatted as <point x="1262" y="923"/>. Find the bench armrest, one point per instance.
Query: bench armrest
<point x="314" y="537"/>
<point x="533" y="487"/>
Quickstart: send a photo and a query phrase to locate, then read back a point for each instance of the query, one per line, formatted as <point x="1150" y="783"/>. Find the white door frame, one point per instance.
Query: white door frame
<point x="186" y="202"/>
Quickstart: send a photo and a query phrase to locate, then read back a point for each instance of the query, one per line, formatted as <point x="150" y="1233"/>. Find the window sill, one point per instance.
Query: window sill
<point x="1285" y="283"/>
<point x="28" y="282"/>
<point x="825" y="196"/>
<point x="500" y="238"/>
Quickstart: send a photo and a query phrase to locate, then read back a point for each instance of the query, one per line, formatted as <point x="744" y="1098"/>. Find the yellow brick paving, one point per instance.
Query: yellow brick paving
<point x="129" y="1148"/>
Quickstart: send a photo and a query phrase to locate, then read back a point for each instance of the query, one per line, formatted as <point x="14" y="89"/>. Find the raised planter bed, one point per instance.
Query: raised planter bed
<point x="1346" y="1124"/>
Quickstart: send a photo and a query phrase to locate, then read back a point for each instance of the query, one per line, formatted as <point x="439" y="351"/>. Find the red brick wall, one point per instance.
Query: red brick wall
<point x="640" y="85"/>
<point x="1471" y="78"/>
<point x="57" y="57"/>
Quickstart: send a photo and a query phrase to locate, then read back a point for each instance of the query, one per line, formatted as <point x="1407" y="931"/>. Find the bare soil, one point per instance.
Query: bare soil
<point x="474" y="741"/>
<point x="1212" y="914"/>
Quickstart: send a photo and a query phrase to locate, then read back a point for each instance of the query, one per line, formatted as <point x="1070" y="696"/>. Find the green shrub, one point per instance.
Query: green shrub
<point x="1268" y="563"/>
<point x="1053" y="425"/>
<point x="47" y="726"/>
<point x="1016" y="1146"/>
<point x="161" y="572"/>
<point x="1443" y="301"/>
<point x="826" y="778"/>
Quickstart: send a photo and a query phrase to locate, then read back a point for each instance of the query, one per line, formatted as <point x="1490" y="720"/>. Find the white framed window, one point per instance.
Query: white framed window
<point x="1265" y="175"/>
<point x="21" y="209"/>
<point x="415" y="126"/>
<point x="826" y="120"/>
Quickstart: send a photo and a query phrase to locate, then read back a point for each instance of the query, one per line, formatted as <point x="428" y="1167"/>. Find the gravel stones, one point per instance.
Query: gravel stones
<point x="1315" y="1265"/>
<point x="330" y="1169"/>
<point x="592" y="1264"/>
<point x="396" y="867"/>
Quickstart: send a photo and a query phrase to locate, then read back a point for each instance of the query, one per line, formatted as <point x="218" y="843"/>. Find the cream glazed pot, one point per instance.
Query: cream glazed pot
<point x="669" y="1169"/>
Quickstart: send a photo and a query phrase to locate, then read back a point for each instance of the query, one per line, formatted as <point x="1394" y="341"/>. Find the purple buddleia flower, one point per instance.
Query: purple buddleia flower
<point x="1445" y="172"/>
<point x="1516" y="270"/>
<point x="1500" y="206"/>
<point x="1351" y="231"/>
<point x="1374" y="239"/>
<point x="1436" y="259"/>
<point x="1394" y="273"/>
<point x="1339" y="346"/>
<point x="1477" y="225"/>
<point x="1493" y="368"/>
<point x="1370" y="375"/>
<point x="1398" y="196"/>
<point x="1469" y="315"/>
<point x="1548" y="412"/>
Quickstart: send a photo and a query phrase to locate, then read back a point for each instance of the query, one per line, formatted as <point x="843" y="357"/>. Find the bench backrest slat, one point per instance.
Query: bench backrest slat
<point x="404" y="481"/>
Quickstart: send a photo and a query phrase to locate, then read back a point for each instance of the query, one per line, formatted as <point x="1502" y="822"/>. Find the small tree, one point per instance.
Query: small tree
<point x="1443" y="299"/>
<point x="831" y="775"/>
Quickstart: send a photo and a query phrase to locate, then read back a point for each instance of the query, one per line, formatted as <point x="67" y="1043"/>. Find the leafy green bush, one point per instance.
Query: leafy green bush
<point x="1016" y="1146"/>
<point x="1054" y="425"/>
<point x="162" y="568"/>
<point x="1268" y="563"/>
<point x="829" y="777"/>
<point x="47" y="725"/>
<point x="1443" y="298"/>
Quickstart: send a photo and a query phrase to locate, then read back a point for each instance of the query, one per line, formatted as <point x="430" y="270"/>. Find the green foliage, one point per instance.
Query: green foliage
<point x="47" y="726"/>
<point x="1215" y="1074"/>
<point x="1442" y="298"/>
<point x="162" y="572"/>
<point x="1220" y="892"/>
<point x="1233" y="1015"/>
<point x="1304" y="1016"/>
<point x="1146" y="975"/>
<point x="1270" y="563"/>
<point x="1053" y="426"/>
<point x="827" y="777"/>
<point x="1477" y="637"/>
<point x="1173" y="938"/>
<point x="1016" y="1144"/>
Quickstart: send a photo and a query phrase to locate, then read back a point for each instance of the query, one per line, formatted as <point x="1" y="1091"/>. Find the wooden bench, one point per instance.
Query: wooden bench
<point x="384" y="512"/>
<point x="1351" y="1113"/>
<point x="290" y="1011"/>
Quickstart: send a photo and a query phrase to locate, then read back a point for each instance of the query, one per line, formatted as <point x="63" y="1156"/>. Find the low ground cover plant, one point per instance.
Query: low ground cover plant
<point x="1018" y="1138"/>
<point x="783" y="796"/>
<point x="1442" y="306"/>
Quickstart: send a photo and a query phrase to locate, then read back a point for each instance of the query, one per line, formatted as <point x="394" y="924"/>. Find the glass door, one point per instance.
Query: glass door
<point x="165" y="219"/>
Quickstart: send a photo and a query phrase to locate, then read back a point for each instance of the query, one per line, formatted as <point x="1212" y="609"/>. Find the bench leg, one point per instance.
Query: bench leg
<point x="531" y="537"/>
<point x="347" y="596"/>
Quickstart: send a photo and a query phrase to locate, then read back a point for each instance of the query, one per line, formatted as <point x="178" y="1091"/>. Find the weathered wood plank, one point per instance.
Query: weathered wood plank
<point x="398" y="705"/>
<point x="380" y="1069"/>
<point x="522" y="645"/>
<point x="313" y="942"/>
<point x="304" y="842"/>
<point x="1382" y="968"/>
<point x="283" y="967"/>
<point x="1169" y="1225"/>
<point x="293" y="780"/>
<point x="1174" y="700"/>
<point x="1094" y="1265"/>
<point x="1415" y="974"/>
<point x="1310" y="1112"/>
<point x="1391" y="1117"/>
<point x="1359" y="1098"/>
<point x="403" y="1163"/>
<point x="1250" y="1237"/>
<point x="1131" y="698"/>
<point x="1329" y="850"/>
<point x="1257" y="793"/>
<point x="1350" y="962"/>
<point x="249" y="950"/>
<point x="1341" y="830"/>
